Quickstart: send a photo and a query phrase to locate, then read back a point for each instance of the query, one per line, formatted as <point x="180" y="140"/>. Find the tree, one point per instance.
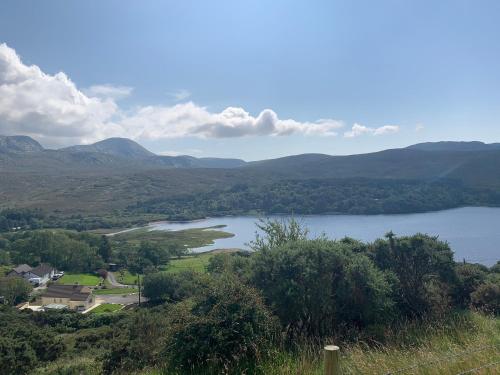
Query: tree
<point x="166" y="287"/>
<point x="105" y="248"/>
<point x="15" y="289"/>
<point x="277" y="232"/>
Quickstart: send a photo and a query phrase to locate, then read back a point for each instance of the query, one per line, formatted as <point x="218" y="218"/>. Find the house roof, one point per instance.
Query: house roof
<point x="42" y="269"/>
<point x="73" y="292"/>
<point x="22" y="268"/>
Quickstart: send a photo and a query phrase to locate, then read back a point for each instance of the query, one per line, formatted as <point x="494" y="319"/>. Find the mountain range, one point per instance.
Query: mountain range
<point x="118" y="174"/>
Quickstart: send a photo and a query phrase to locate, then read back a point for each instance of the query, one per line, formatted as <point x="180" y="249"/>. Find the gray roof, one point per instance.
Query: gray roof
<point x="42" y="270"/>
<point x="22" y="268"/>
<point x="73" y="292"/>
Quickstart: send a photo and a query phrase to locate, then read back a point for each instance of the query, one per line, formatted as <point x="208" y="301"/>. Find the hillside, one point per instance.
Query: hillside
<point x="120" y="177"/>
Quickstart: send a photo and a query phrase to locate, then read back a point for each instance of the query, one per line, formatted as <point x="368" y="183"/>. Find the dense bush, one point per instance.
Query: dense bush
<point x="226" y="324"/>
<point x="487" y="297"/>
<point x="424" y="270"/>
<point x="165" y="287"/>
<point x="318" y="286"/>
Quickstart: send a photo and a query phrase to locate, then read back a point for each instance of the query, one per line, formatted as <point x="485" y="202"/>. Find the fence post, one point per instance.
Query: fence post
<point x="332" y="360"/>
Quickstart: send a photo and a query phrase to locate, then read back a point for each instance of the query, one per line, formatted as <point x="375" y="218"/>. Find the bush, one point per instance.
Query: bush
<point x="487" y="298"/>
<point x="227" y="324"/>
<point x="420" y="262"/>
<point x="317" y="286"/>
<point x="166" y="287"/>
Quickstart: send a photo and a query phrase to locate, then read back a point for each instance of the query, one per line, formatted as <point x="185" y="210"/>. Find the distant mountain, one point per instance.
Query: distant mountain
<point x="119" y="174"/>
<point x="455" y="146"/>
<point x="24" y="153"/>
<point x="19" y="144"/>
<point x="122" y="147"/>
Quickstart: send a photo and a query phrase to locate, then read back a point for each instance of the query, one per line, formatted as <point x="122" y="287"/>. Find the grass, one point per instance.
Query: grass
<point x="125" y="277"/>
<point x="80" y="278"/>
<point x="190" y="238"/>
<point x="122" y="291"/>
<point x="196" y="263"/>
<point x="106" y="308"/>
<point x="463" y="342"/>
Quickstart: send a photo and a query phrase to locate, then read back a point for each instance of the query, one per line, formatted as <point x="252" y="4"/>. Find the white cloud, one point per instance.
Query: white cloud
<point x="49" y="107"/>
<point x="109" y="91"/>
<point x="359" y="130"/>
<point x="419" y="127"/>
<point x="52" y="109"/>
<point x="180" y="95"/>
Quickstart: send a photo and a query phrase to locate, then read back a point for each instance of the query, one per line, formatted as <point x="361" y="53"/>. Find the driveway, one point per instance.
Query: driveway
<point x="121" y="299"/>
<point x="112" y="280"/>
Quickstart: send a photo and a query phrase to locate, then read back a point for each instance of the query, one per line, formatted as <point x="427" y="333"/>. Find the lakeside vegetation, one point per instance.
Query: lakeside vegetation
<point x="394" y="303"/>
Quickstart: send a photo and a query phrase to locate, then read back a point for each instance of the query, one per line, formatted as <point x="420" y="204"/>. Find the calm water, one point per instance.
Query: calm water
<point x="472" y="232"/>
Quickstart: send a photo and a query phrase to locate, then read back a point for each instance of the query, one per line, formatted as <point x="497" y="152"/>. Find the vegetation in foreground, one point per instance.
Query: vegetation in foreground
<point x="389" y="304"/>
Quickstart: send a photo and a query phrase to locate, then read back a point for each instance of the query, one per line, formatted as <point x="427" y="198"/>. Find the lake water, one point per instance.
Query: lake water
<point x="472" y="232"/>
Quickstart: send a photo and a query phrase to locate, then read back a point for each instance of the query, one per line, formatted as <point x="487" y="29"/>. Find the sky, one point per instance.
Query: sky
<point x="251" y="79"/>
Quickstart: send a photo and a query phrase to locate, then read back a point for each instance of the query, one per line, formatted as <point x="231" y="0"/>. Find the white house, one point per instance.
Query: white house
<point x="42" y="273"/>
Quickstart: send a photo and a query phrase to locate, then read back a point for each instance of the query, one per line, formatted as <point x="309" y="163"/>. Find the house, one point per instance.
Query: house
<point x="75" y="297"/>
<point x="41" y="273"/>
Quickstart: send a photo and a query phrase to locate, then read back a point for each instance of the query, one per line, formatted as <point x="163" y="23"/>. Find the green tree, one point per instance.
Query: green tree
<point x="104" y="250"/>
<point x="15" y="289"/>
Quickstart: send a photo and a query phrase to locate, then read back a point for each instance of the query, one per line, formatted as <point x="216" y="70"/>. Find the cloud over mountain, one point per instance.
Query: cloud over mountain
<point x="53" y="109"/>
<point x="359" y="130"/>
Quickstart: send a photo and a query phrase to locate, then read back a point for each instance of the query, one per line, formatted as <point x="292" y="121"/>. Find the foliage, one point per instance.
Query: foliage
<point x="63" y="250"/>
<point x="487" y="297"/>
<point x="23" y="344"/>
<point x="15" y="289"/>
<point x="168" y="287"/>
<point x="226" y="324"/>
<point x="424" y="270"/>
<point x="319" y="286"/>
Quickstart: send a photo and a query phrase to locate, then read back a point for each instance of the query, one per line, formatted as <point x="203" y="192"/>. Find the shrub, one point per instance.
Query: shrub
<point x="487" y="298"/>
<point x="227" y="324"/>
<point x="317" y="286"/>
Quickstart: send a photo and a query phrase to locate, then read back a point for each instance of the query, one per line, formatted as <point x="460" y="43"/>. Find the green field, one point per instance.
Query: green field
<point x="125" y="277"/>
<point x="115" y="291"/>
<point x="106" y="308"/>
<point x="79" y="278"/>
<point x="196" y="263"/>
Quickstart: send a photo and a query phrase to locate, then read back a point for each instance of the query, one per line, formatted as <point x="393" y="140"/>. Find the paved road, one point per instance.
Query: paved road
<point x="112" y="280"/>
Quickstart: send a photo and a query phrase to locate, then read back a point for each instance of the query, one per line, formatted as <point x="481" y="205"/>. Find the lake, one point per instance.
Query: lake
<point x="472" y="232"/>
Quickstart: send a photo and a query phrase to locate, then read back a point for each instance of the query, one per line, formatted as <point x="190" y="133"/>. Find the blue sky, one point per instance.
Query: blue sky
<point x="166" y="72"/>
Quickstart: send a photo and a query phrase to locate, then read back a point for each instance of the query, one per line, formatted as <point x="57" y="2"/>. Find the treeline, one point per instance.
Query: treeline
<point x="319" y="196"/>
<point x="82" y="252"/>
<point x="11" y="219"/>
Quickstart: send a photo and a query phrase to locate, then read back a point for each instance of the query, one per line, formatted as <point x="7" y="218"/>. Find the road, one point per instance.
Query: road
<point x="112" y="280"/>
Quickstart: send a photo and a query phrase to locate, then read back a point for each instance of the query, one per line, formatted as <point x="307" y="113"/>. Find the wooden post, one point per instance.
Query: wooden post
<point x="332" y="360"/>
